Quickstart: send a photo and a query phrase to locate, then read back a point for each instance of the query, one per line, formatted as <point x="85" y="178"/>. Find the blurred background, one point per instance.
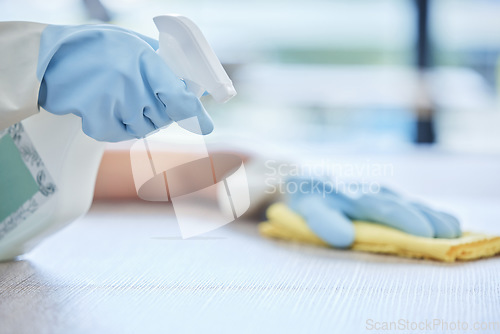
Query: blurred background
<point x="383" y="75"/>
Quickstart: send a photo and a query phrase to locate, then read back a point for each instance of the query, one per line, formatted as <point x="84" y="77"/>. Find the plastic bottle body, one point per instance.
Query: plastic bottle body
<point x="70" y="159"/>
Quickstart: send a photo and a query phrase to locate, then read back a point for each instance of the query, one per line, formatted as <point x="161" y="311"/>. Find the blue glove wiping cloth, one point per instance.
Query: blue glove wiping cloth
<point x="113" y="79"/>
<point x="329" y="212"/>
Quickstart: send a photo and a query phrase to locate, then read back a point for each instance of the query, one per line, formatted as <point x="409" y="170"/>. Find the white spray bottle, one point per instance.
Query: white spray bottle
<point x="58" y="163"/>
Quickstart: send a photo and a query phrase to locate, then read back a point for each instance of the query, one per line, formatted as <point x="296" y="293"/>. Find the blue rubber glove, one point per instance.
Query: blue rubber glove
<point x="329" y="212"/>
<point x="113" y="79"/>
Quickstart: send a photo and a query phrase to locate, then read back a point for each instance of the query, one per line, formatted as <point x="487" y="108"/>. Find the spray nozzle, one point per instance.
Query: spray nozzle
<point x="188" y="54"/>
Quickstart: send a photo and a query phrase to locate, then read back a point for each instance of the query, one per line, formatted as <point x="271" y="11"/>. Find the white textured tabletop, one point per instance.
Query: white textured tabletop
<point x="124" y="269"/>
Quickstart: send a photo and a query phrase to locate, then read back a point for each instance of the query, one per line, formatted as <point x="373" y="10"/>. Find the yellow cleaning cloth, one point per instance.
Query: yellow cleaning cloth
<point x="285" y="224"/>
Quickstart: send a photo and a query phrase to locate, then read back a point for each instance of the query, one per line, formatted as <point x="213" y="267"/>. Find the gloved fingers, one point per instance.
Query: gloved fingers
<point x="110" y="131"/>
<point x="151" y="41"/>
<point x="310" y="186"/>
<point x="144" y="114"/>
<point x="187" y="109"/>
<point x="388" y="192"/>
<point x="385" y="207"/>
<point x="393" y="212"/>
<point x="155" y="112"/>
<point x="330" y="225"/>
<point x="445" y="225"/>
<point x="141" y="126"/>
<point x="188" y="112"/>
<point x="450" y="218"/>
<point x="180" y="105"/>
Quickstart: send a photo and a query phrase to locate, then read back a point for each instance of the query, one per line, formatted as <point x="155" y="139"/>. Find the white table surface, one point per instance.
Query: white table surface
<point x="124" y="269"/>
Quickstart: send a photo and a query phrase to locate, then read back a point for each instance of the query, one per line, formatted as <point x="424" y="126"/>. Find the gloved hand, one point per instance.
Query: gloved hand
<point x="113" y="79"/>
<point x="329" y="212"/>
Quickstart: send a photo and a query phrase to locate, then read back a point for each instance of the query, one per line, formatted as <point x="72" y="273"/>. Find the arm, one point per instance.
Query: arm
<point x="115" y="180"/>
<point x="110" y="77"/>
<point x="19" y="84"/>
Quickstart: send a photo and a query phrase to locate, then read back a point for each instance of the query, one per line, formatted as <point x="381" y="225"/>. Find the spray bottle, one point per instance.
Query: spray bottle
<point x="55" y="175"/>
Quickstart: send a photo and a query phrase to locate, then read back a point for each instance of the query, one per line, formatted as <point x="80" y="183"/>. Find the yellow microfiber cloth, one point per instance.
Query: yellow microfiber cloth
<point x="285" y="224"/>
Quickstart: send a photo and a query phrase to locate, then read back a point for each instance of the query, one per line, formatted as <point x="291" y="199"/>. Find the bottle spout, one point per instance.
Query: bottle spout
<point x="186" y="51"/>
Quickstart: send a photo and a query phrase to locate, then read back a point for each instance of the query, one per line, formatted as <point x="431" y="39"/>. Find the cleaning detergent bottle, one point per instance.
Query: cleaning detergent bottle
<point x="49" y="165"/>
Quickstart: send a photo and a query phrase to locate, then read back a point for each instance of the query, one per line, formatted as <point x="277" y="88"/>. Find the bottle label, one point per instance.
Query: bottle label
<point x="25" y="183"/>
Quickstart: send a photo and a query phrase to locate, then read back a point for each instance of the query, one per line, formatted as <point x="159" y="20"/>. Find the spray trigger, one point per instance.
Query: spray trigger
<point x="186" y="51"/>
